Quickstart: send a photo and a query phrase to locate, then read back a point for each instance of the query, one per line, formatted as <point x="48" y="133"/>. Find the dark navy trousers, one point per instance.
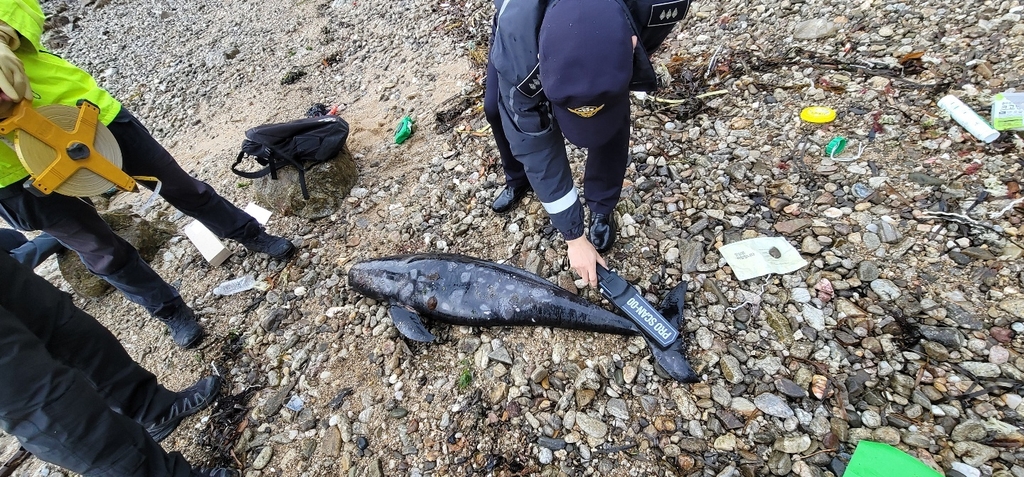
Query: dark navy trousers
<point x="28" y="252"/>
<point x="69" y="391"/>
<point x="77" y="225"/>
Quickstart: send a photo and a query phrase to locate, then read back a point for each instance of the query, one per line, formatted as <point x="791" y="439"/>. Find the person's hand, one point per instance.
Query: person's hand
<point x="6" y="105"/>
<point x="13" y="81"/>
<point x="583" y="258"/>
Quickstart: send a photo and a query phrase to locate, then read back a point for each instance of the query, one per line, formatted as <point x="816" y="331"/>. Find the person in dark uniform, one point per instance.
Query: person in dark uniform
<point x="29" y="73"/>
<point x="72" y="395"/>
<point x="28" y="252"/>
<point x="564" y="68"/>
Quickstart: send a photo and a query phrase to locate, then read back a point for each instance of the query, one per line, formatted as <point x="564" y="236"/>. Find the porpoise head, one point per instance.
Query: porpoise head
<point x="382" y="279"/>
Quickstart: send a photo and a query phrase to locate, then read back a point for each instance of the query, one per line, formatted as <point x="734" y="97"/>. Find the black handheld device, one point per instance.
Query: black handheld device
<point x="627" y="299"/>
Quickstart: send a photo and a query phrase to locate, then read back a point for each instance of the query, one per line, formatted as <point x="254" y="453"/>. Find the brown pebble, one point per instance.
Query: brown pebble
<point x="685" y="462"/>
<point x="666" y="424"/>
<point x="819" y="387"/>
<point x="1002" y="335"/>
<point x="830" y="441"/>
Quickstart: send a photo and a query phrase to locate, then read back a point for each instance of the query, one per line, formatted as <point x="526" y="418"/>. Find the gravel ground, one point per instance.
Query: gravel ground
<point x="905" y="327"/>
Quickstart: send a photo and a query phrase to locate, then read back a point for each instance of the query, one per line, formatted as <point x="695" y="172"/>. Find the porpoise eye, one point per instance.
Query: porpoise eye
<point x="432" y="302"/>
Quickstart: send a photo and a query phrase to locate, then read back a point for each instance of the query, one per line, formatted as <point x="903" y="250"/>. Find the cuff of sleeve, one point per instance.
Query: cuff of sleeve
<point x="573" y="234"/>
<point x="569" y="222"/>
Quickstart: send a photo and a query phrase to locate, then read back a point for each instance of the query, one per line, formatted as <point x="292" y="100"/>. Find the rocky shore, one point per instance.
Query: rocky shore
<point x="906" y="326"/>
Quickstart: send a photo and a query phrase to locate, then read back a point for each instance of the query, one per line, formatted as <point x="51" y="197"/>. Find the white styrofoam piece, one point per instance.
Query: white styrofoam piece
<point x="209" y="245"/>
<point x="259" y="213"/>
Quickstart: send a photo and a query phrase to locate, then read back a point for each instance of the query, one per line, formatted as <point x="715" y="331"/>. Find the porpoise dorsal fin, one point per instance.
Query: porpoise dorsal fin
<point x="410" y="324"/>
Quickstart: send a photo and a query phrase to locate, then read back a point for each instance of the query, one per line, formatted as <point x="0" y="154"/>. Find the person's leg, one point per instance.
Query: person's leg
<point x="515" y="175"/>
<point x="79" y="227"/>
<point x="517" y="184"/>
<point x="58" y="416"/>
<point x="78" y="341"/>
<point x="11" y="239"/>
<point x="53" y="409"/>
<point x="144" y="156"/>
<point x="602" y="186"/>
<point x="605" y="169"/>
<point x="104" y="253"/>
<point x="35" y="251"/>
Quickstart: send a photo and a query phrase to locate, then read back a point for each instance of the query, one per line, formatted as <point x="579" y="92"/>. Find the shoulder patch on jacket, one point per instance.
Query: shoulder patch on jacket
<point x="668" y="13"/>
<point x="530" y="86"/>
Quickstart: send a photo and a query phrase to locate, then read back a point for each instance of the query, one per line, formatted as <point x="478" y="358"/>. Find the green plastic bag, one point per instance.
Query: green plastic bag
<point x="404" y="129"/>
<point x="875" y="459"/>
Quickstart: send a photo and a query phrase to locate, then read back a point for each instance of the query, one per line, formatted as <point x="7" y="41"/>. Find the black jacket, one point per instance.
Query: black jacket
<point x="526" y="116"/>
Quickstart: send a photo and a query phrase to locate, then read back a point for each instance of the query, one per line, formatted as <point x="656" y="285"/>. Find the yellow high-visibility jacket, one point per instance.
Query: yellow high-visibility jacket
<point x="53" y="80"/>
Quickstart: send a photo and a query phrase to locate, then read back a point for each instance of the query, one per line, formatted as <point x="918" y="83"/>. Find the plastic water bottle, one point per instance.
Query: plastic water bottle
<point x="237" y="285"/>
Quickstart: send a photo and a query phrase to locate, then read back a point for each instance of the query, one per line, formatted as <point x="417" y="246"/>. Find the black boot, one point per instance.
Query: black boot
<point x="185" y="330"/>
<point x="509" y="197"/>
<point x="258" y="240"/>
<point x="191" y="400"/>
<point x="602" y="232"/>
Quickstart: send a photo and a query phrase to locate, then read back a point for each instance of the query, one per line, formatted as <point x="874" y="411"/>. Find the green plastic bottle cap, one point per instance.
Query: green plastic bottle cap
<point x="835" y="146"/>
<point x="875" y="459"/>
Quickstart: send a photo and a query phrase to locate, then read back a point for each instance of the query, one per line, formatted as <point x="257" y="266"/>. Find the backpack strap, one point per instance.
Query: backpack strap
<point x="302" y="183"/>
<point x="302" y="175"/>
<point x="271" y="168"/>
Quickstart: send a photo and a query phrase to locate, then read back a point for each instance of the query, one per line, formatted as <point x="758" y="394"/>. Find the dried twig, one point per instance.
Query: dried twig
<point x="19" y="457"/>
<point x="965" y="220"/>
<point x="812" y="454"/>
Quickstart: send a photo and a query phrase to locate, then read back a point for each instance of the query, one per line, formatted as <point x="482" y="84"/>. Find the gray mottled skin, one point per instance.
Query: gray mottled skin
<point x="461" y="290"/>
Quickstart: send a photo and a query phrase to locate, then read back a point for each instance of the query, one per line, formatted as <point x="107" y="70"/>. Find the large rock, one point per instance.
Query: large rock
<point x="145" y="235"/>
<point x="328" y="184"/>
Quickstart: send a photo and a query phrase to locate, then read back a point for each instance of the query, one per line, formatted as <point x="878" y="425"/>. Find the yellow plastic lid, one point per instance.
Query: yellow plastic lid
<point x="818" y="114"/>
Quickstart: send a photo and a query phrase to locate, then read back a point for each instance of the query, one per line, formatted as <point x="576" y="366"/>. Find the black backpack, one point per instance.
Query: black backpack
<point x="302" y="143"/>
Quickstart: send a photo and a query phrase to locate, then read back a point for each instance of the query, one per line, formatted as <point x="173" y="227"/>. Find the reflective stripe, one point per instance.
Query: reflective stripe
<point x="562" y="204"/>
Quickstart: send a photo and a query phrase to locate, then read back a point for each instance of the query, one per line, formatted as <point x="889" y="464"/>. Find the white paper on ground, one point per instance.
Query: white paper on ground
<point x="760" y="256"/>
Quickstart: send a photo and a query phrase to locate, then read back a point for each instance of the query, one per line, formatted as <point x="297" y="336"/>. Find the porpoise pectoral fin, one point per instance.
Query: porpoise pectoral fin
<point x="410" y="324"/>
<point x="672" y="358"/>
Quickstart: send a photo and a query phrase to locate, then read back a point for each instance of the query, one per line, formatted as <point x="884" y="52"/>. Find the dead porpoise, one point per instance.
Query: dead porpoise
<point x="461" y="290"/>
